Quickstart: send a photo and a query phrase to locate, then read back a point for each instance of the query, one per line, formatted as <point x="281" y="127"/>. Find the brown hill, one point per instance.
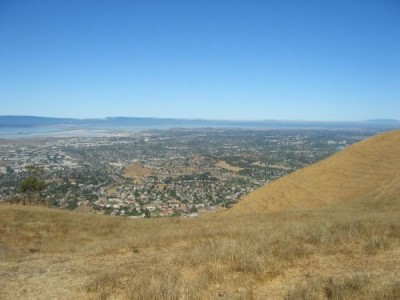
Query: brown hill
<point x="368" y="168"/>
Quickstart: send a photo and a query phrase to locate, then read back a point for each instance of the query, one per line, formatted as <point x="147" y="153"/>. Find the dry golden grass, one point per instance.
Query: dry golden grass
<point x="135" y="169"/>
<point x="112" y="190"/>
<point x="363" y="168"/>
<point x="50" y="254"/>
<point x="224" y="165"/>
<point x="345" y="250"/>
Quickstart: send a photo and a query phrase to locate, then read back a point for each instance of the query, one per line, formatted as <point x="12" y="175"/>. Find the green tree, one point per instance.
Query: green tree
<point x="31" y="186"/>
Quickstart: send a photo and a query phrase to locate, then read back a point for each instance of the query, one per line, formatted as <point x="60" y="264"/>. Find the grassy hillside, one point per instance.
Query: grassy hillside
<point x="348" y="249"/>
<point x="366" y="168"/>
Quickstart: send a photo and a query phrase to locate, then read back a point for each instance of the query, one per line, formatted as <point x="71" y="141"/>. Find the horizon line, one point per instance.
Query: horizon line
<point x="208" y="120"/>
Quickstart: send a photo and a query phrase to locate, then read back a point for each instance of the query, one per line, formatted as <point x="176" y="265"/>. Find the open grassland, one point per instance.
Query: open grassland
<point x="347" y="249"/>
<point x="112" y="190"/>
<point x="134" y="170"/>
<point x="224" y="165"/>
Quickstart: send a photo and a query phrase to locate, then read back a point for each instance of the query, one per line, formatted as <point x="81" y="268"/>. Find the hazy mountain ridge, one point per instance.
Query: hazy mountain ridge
<point x="34" y="121"/>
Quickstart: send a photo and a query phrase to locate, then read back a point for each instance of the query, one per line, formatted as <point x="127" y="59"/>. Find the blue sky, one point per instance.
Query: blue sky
<point x="291" y="60"/>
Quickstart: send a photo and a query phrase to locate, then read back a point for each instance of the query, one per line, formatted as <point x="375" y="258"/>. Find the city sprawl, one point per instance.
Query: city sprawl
<point x="177" y="172"/>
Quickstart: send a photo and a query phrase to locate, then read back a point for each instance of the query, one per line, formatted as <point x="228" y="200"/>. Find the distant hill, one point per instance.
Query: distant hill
<point x="365" y="169"/>
<point x="33" y="121"/>
<point x="24" y="121"/>
<point x="384" y="121"/>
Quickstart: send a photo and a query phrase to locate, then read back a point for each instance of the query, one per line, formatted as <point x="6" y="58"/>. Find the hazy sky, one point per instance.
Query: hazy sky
<point x="309" y="60"/>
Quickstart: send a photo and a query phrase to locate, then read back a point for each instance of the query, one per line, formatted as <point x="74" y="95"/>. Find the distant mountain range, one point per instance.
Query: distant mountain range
<point x="33" y="121"/>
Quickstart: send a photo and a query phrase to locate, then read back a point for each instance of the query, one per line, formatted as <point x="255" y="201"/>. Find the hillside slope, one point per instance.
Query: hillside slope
<point x="370" y="167"/>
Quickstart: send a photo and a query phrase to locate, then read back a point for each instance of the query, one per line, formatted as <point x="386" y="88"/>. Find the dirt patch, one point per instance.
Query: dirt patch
<point x="161" y="186"/>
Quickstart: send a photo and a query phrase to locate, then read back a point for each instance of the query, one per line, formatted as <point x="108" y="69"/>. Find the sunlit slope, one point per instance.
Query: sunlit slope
<point x="370" y="168"/>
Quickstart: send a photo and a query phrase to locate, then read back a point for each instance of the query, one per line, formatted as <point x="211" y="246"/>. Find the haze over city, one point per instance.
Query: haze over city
<point x="287" y="60"/>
